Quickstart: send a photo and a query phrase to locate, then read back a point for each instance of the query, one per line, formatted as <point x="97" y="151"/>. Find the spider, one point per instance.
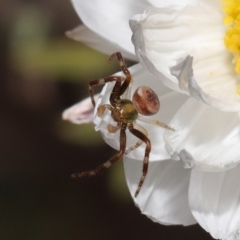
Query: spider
<point x="125" y="112"/>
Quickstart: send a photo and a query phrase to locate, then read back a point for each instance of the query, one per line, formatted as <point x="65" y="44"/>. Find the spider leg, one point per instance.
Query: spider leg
<point x="144" y="131"/>
<point x="145" y="139"/>
<point x="118" y="88"/>
<point x="100" y="112"/>
<point x="127" y="93"/>
<point x="107" y="164"/>
<point x="125" y="70"/>
<point x="155" y="122"/>
<point x="101" y="109"/>
<point x="113" y="129"/>
<point x="117" y="79"/>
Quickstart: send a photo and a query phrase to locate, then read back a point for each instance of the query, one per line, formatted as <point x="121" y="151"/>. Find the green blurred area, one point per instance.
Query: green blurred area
<point x="84" y="134"/>
<point x="41" y="66"/>
<point x="34" y="51"/>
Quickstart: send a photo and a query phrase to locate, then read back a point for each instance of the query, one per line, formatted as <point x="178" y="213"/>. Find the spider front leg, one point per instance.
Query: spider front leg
<point x="100" y="81"/>
<point x="109" y="163"/>
<point x="145" y="139"/>
<point x="125" y="70"/>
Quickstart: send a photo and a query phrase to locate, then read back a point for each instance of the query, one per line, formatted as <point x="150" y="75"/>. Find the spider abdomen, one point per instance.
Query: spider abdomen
<point x="125" y="111"/>
<point x="146" y="101"/>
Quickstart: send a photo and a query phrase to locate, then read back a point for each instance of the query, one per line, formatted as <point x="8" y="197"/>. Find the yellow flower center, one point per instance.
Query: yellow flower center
<point x="232" y="36"/>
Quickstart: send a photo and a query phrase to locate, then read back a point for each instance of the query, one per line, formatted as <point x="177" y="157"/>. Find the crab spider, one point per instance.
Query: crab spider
<point x="125" y="112"/>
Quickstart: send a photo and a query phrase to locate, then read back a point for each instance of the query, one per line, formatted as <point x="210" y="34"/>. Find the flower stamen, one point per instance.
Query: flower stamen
<point x="232" y="36"/>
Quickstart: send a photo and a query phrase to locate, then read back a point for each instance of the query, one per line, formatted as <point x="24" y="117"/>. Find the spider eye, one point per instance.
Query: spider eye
<point x="146" y="101"/>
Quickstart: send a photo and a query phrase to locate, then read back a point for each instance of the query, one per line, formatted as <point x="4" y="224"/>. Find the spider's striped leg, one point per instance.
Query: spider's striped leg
<point x="125" y="70"/>
<point x="155" y="122"/>
<point x="121" y="62"/>
<point x="107" y="164"/>
<point x="127" y="93"/>
<point x="145" y="139"/>
<point x="100" y="81"/>
<point x="144" y="131"/>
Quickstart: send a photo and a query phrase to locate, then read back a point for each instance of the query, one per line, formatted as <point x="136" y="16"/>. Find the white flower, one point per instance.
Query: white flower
<point x="181" y="43"/>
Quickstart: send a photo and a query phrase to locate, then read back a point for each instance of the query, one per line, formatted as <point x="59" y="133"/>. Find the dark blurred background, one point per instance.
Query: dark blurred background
<point x="42" y="73"/>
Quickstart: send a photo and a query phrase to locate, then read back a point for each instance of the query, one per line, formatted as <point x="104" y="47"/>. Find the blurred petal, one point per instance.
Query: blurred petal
<point x="94" y="40"/>
<point x="170" y="103"/>
<point x="110" y="19"/>
<point x="164" y="194"/>
<point x="214" y="5"/>
<point x="163" y="37"/>
<point x="215" y="202"/>
<point x="81" y="112"/>
<point x="172" y="3"/>
<point x="205" y="138"/>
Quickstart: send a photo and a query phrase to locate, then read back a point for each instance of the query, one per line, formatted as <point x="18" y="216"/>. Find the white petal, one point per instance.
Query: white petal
<point x="205" y="138"/>
<point x="110" y="18"/>
<point x="172" y="3"/>
<point x="170" y="103"/>
<point x="94" y="40"/>
<point x="81" y="112"/>
<point x="215" y="202"/>
<point x="187" y="82"/>
<point x="213" y="5"/>
<point x="163" y="37"/>
<point x="139" y="43"/>
<point x="164" y="194"/>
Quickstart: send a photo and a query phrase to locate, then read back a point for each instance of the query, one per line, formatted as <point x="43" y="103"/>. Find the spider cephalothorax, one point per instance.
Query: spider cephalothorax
<point x="125" y="112"/>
